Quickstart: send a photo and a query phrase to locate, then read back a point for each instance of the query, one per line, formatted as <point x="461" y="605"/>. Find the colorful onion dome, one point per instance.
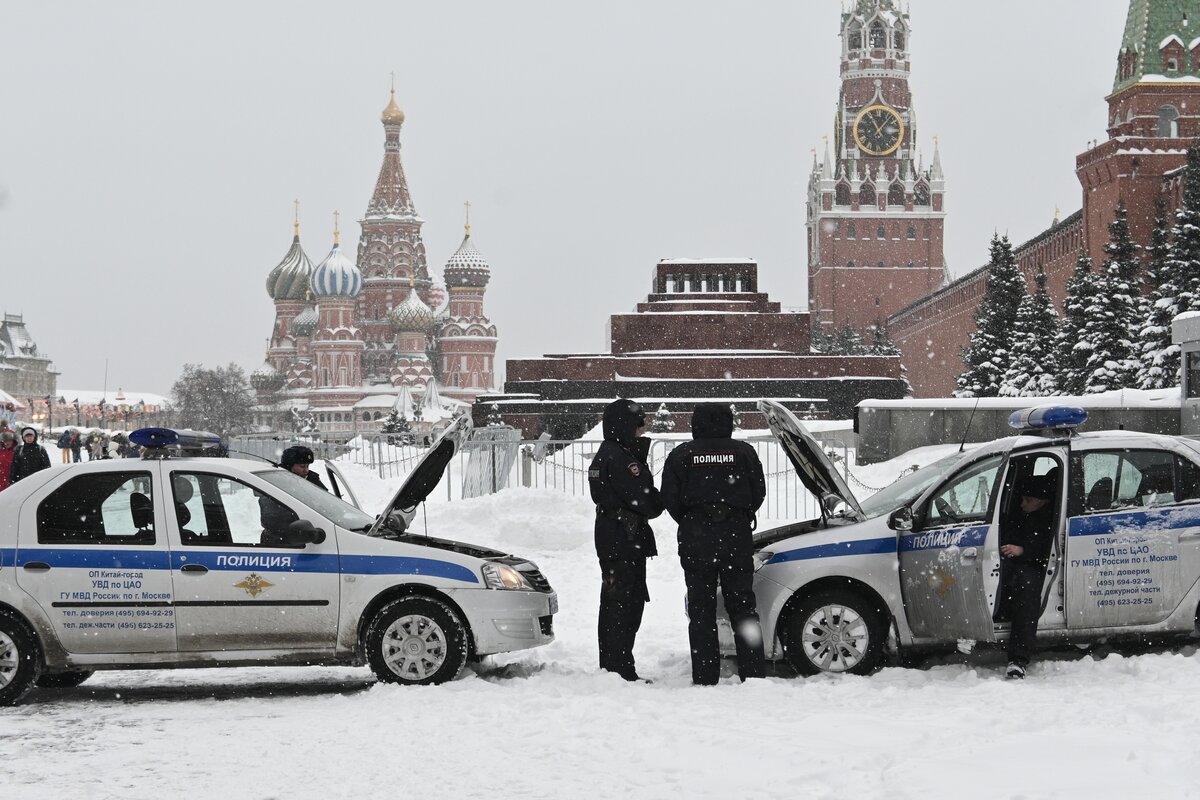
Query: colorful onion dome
<point x="336" y="276"/>
<point x="304" y="323"/>
<point x="392" y="115"/>
<point x="289" y="280"/>
<point x="439" y="298"/>
<point x="266" y="377"/>
<point x="412" y="316"/>
<point x="467" y="266"/>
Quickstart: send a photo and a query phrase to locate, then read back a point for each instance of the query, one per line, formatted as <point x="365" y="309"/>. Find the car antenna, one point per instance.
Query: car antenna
<point x="255" y="455"/>
<point x="963" y="444"/>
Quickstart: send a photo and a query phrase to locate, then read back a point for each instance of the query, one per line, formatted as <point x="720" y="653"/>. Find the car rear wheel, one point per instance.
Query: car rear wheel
<point x="19" y="662"/>
<point x="836" y="631"/>
<point x="416" y="641"/>
<point x="63" y="680"/>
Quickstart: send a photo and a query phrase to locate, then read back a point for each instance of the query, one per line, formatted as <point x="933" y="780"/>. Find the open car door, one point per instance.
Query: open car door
<point x="339" y="485"/>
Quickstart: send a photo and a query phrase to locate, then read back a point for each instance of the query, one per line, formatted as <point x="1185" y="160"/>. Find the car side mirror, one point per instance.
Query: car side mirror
<point x="901" y="519"/>
<point x="302" y="532"/>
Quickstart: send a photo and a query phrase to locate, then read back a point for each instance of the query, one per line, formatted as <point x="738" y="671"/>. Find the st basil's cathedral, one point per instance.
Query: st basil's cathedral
<point x="355" y="339"/>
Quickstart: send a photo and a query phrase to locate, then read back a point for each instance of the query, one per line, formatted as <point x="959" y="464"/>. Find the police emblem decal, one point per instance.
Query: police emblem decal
<point x="253" y="585"/>
<point x="941" y="581"/>
<point x="635" y="470"/>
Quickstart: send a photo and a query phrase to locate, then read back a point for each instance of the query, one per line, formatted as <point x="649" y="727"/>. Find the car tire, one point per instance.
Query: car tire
<point x="837" y="631"/>
<point x="20" y="661"/>
<point x="63" y="680"/>
<point x="416" y="641"/>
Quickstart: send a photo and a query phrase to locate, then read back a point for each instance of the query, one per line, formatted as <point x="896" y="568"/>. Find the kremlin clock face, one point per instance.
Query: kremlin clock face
<point x="878" y="130"/>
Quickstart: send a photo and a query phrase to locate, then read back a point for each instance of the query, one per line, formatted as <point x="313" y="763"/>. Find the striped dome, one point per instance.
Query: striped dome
<point x="466" y="257"/>
<point x="412" y="316"/>
<point x="304" y="323"/>
<point x="289" y="280"/>
<point x="336" y="276"/>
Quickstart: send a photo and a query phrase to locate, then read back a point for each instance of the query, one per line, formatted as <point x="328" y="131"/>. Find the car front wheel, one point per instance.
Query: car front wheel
<point x="416" y="641"/>
<point x="836" y="631"/>
<point x="19" y="662"/>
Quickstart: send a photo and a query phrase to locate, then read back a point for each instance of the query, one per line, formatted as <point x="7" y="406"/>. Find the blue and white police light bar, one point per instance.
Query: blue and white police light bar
<point x="1047" y="418"/>
<point x="182" y="440"/>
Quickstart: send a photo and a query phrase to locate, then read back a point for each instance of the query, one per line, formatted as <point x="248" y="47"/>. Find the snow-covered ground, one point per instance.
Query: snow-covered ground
<point x="546" y="724"/>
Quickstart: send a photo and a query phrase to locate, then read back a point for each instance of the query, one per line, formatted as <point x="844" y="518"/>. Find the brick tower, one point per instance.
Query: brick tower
<point x="1153" y="115"/>
<point x="390" y="253"/>
<point x="467" y="338"/>
<point x="875" y="213"/>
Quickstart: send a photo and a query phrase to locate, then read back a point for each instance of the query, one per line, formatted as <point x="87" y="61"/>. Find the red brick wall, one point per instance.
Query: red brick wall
<point x="699" y="331"/>
<point x="605" y="367"/>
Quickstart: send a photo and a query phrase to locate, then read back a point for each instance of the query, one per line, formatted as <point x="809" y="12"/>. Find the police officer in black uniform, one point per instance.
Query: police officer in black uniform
<point x="1026" y="539"/>
<point x="712" y="486"/>
<point x="625" y="497"/>
<point x="296" y="459"/>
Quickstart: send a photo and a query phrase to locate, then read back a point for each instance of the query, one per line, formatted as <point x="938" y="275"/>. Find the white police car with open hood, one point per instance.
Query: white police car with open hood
<point x="918" y="564"/>
<point x="186" y="561"/>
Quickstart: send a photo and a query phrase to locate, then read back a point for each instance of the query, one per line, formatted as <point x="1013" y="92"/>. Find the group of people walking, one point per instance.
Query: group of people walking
<point x="712" y="487"/>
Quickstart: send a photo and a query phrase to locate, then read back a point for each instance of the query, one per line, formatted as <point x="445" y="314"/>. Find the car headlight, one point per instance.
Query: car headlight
<point x="502" y="576"/>
<point x="761" y="558"/>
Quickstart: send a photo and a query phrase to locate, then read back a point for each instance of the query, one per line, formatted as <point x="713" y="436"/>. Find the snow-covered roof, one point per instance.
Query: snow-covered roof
<point x="91" y="397"/>
<point x="1172" y="38"/>
<point x="1117" y="398"/>
<point x="683" y="261"/>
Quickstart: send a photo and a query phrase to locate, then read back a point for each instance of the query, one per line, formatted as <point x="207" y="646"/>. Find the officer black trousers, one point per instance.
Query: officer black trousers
<point x="1023" y="602"/>
<point x="623" y="596"/>
<point x="736" y="578"/>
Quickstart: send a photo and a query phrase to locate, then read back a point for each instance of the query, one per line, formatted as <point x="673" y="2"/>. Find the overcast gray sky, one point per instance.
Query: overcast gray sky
<point x="150" y="151"/>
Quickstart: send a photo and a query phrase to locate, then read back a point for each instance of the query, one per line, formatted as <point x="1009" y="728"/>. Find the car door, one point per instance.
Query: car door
<point x="944" y="574"/>
<point x="92" y="551"/>
<point x="339" y="485"/>
<point x="1132" y="515"/>
<point x="236" y="587"/>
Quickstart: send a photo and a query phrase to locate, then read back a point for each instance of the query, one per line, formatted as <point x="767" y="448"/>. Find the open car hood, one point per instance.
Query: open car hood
<point x="424" y="477"/>
<point x="816" y="471"/>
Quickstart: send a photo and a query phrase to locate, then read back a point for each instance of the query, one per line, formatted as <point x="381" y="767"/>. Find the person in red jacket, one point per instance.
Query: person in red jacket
<point x="8" y="448"/>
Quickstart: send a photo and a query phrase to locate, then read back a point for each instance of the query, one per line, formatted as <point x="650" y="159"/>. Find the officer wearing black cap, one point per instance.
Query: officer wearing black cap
<point x="296" y="459"/>
<point x="625" y="497"/>
<point x="1026" y="538"/>
<point x="712" y="486"/>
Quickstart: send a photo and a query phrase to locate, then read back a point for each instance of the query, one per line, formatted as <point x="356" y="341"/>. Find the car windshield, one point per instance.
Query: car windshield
<point x="337" y="511"/>
<point x="904" y="491"/>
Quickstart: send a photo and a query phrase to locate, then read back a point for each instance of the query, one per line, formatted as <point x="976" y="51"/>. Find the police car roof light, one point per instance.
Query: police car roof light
<point x="1047" y="418"/>
<point x="183" y="441"/>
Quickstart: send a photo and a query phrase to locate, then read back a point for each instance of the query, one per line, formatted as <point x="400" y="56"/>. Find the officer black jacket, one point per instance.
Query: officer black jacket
<point x="28" y="458"/>
<point x="713" y="478"/>
<point x="623" y="489"/>
<point x="1034" y="532"/>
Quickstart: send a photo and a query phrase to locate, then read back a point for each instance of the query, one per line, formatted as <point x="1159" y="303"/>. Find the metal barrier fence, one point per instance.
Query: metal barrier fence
<point x="489" y="466"/>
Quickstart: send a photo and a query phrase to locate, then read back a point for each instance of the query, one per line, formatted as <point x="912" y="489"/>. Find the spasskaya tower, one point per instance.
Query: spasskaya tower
<point x="875" y="211"/>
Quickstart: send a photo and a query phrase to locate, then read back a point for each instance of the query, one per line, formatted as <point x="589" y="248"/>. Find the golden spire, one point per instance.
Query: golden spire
<point x="296" y="218"/>
<point x="337" y="233"/>
<point x="392" y="115"/>
<point x="467" y="226"/>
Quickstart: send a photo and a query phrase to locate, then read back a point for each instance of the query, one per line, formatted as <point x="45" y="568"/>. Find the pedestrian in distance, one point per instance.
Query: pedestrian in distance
<point x="1026" y="538"/>
<point x="64" y="445"/>
<point x="623" y="490"/>
<point x="29" y="458"/>
<point x="76" y="445"/>
<point x="297" y="459"/>
<point x="8" y="449"/>
<point x="712" y="486"/>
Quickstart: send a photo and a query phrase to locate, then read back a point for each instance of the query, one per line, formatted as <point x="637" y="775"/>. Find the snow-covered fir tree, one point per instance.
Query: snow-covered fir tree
<point x="1112" y="318"/>
<point x="1072" y="350"/>
<point x="1032" y="372"/>
<point x="1159" y="364"/>
<point x="881" y="343"/>
<point x="494" y="420"/>
<point x="737" y="416"/>
<point x="989" y="354"/>
<point x="1185" y="238"/>
<point x="847" y="341"/>
<point x="396" y="426"/>
<point x="663" y="422"/>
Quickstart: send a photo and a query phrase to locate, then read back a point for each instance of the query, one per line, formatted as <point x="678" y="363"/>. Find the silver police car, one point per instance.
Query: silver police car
<point x="184" y="561"/>
<point x="918" y="565"/>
